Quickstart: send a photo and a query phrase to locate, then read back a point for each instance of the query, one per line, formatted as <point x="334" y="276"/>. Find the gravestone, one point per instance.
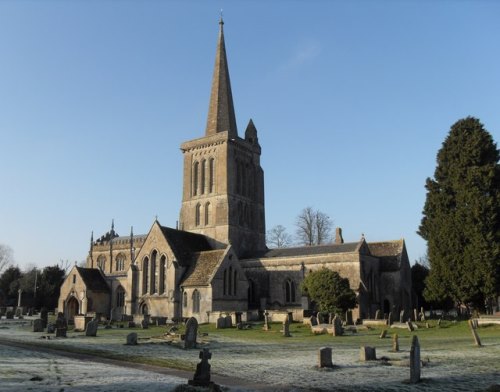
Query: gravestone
<point x="389" y="318"/>
<point x="415" y="314"/>
<point x="191" y="333"/>
<point x="229" y="321"/>
<point x="422" y="314"/>
<point x="414" y="360"/>
<point x="383" y="334"/>
<point x="91" y="329"/>
<point x="38" y="325"/>
<point x="51" y="328"/>
<point x="325" y="357"/>
<point x="145" y="323"/>
<point x="202" y="374"/>
<point x="314" y="321"/>
<point x="409" y="324"/>
<point x="337" y="326"/>
<point x="439" y="323"/>
<point x="377" y="315"/>
<point x="132" y="339"/>
<point x="322" y="317"/>
<point x="19" y="312"/>
<point x="402" y="316"/>
<point x="395" y="343"/>
<point x="367" y="353"/>
<point x="266" y="326"/>
<point x="9" y="315"/>
<point x="477" y="341"/>
<point x="61" y="326"/>
<point x="44" y="316"/>
<point x="286" y="328"/>
<point x="221" y="323"/>
<point x="348" y="317"/>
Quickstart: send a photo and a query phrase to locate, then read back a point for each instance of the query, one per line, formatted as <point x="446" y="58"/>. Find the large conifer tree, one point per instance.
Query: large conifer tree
<point x="461" y="221"/>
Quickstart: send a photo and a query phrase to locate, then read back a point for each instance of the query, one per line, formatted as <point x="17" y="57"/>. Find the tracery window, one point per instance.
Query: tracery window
<point x="289" y="291"/>
<point x="120" y="262"/>
<point x="153" y="285"/>
<point x="145" y="275"/>
<point x="163" y="277"/>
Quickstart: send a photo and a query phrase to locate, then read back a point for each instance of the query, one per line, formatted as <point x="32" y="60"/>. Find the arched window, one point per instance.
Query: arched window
<point x="235" y="282"/>
<point x="211" y="175"/>
<point x="224" y="291"/>
<point x="185" y="300"/>
<point x="230" y="281"/>
<point x="203" y="169"/>
<point x="120" y="297"/>
<point x="197" y="214"/>
<point x="208" y="212"/>
<point x="120" y="262"/>
<point x="196" y="301"/>
<point x="153" y="284"/>
<point x="101" y="262"/>
<point x="195" y="178"/>
<point x="289" y="291"/>
<point x="145" y="275"/>
<point x="163" y="277"/>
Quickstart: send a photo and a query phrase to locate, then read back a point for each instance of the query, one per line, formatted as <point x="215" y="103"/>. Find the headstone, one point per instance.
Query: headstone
<point x="9" y="315"/>
<point x="145" y="323"/>
<point x="395" y="343"/>
<point x="402" y="316"/>
<point x="51" y="328"/>
<point x="314" y="321"/>
<point x="38" y="325"/>
<point x="220" y="323"/>
<point x="337" y="326"/>
<point x="61" y="326"/>
<point x="422" y="314"/>
<point x="229" y="321"/>
<point x="202" y="374"/>
<point x="191" y="333"/>
<point x="477" y="341"/>
<point x="91" y="329"/>
<point x="266" y="326"/>
<point x="439" y="323"/>
<point x="414" y="360"/>
<point x="409" y="324"/>
<point x="367" y="353"/>
<point x="325" y="357"/>
<point x="348" y="317"/>
<point x="19" y="312"/>
<point x="427" y="325"/>
<point x="389" y="318"/>
<point x="383" y="334"/>
<point x="44" y="316"/>
<point x="132" y="339"/>
<point x="322" y="317"/>
<point x="377" y="315"/>
<point x="286" y="328"/>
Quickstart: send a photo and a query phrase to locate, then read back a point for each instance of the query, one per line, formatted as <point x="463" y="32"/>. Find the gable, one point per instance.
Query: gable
<point x="92" y="279"/>
<point x="203" y="267"/>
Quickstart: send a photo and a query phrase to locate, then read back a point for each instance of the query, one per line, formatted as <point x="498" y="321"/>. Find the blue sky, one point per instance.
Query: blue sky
<point x="351" y="100"/>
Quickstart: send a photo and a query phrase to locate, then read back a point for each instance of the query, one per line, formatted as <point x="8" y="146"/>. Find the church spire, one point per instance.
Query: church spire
<point x="221" y="116"/>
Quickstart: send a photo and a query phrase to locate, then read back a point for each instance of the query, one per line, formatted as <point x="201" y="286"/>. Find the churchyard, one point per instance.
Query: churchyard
<point x="255" y="359"/>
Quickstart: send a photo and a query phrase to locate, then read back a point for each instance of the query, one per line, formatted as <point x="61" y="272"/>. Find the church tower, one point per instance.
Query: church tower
<point x="223" y="191"/>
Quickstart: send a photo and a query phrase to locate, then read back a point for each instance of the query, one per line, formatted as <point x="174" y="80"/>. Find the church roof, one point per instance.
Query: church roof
<point x="389" y="254"/>
<point x="312" y="250"/>
<point x="221" y="117"/>
<point x="203" y="267"/>
<point x="184" y="243"/>
<point x="93" y="279"/>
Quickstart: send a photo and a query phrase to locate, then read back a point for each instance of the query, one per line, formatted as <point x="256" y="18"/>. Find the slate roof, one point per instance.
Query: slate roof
<point x="389" y="254"/>
<point x="93" y="279"/>
<point x="311" y="250"/>
<point x="203" y="267"/>
<point x="184" y="244"/>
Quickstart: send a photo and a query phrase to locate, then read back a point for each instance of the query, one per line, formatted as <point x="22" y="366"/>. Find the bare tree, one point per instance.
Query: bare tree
<point x="313" y="227"/>
<point x="65" y="265"/>
<point x="277" y="237"/>
<point x="6" y="258"/>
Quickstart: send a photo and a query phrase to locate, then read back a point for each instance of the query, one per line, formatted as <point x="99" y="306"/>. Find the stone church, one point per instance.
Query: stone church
<point x="216" y="262"/>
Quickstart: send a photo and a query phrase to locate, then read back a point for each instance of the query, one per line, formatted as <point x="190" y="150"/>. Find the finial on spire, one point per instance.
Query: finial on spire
<point x="113" y="224"/>
<point x="221" y="20"/>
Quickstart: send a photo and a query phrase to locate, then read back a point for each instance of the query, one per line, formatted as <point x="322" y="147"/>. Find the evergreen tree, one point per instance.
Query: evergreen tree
<point x="461" y="221"/>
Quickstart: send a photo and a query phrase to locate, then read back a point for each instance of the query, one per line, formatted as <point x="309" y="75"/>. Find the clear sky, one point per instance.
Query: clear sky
<point x="351" y="99"/>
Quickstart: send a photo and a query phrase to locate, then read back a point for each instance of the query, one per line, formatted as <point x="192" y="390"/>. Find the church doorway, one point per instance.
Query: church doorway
<point x="72" y="307"/>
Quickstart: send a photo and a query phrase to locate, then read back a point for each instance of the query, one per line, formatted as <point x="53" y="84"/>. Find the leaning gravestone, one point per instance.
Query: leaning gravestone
<point x="132" y="339"/>
<point x="377" y="315"/>
<point x="44" y="316"/>
<point x="325" y="357"/>
<point x="202" y="374"/>
<point x="383" y="334"/>
<point x="337" y="326"/>
<point x="91" y="329"/>
<point x="191" y="333"/>
<point x="395" y="343"/>
<point x="477" y="341"/>
<point x="221" y="323"/>
<point x="414" y="360"/>
<point x="409" y="324"/>
<point x="367" y="353"/>
<point x="38" y="325"/>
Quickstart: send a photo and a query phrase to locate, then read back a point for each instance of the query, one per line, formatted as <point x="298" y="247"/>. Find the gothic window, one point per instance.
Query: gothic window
<point x="208" y="211"/>
<point x="120" y="297"/>
<point x="197" y="214"/>
<point x="145" y="275"/>
<point x="162" y="277"/>
<point x="185" y="300"/>
<point x="203" y="169"/>
<point x="230" y="281"/>
<point x="211" y="175"/>
<point x="196" y="301"/>
<point x="289" y="291"/>
<point x="224" y="291"/>
<point x="195" y="178"/>
<point x="153" y="285"/>
<point x="120" y="262"/>
<point x="101" y="262"/>
<point x="74" y="278"/>
<point x="235" y="282"/>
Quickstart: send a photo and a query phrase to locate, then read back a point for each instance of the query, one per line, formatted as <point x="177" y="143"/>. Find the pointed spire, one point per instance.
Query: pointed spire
<point x="221" y="117"/>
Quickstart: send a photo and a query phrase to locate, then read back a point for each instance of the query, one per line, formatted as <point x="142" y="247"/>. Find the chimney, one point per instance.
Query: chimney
<point x="338" y="236"/>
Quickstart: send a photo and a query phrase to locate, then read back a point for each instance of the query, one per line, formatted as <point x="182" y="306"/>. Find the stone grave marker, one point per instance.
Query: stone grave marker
<point x="367" y="353"/>
<point x="439" y="323"/>
<point x="409" y="324"/>
<point x="145" y="323"/>
<point x="61" y="326"/>
<point x="383" y="334"/>
<point x="414" y="360"/>
<point x="286" y="328"/>
<point x="477" y="340"/>
<point x="314" y="321"/>
<point x="229" y="321"/>
<point x="325" y="357"/>
<point x="415" y="314"/>
<point x="395" y="343"/>
<point x="221" y="323"/>
<point x="38" y="325"/>
<point x="402" y="317"/>
<point x="202" y="374"/>
<point x="389" y="318"/>
<point x="322" y="317"/>
<point x="44" y="316"/>
<point x="266" y="326"/>
<point x="191" y="333"/>
<point x="337" y="326"/>
<point x="51" y="328"/>
<point x="377" y="315"/>
<point x="132" y="339"/>
<point x="91" y="328"/>
<point x="9" y="315"/>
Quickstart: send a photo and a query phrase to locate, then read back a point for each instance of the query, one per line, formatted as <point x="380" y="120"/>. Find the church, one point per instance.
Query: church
<point x="216" y="261"/>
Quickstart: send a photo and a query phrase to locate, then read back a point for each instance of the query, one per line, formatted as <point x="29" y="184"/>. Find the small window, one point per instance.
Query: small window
<point x="74" y="278"/>
<point x="184" y="300"/>
<point x="197" y="214"/>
